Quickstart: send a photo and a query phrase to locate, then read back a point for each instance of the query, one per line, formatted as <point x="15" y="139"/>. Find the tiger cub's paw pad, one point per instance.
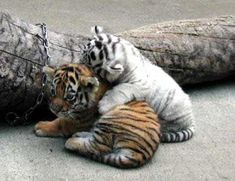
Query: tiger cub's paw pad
<point x="40" y="127"/>
<point x="72" y="144"/>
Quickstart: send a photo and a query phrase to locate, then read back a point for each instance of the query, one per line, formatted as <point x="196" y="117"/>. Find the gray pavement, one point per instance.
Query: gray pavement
<point x="210" y="155"/>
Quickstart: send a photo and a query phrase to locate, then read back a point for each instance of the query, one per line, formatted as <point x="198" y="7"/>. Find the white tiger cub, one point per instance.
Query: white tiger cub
<point x="135" y="77"/>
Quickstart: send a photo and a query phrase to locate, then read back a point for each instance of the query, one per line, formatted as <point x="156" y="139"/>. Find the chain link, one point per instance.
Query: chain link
<point x="13" y="118"/>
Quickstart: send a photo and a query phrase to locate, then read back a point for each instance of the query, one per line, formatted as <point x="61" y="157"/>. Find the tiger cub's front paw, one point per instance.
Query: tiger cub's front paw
<point x="47" y="128"/>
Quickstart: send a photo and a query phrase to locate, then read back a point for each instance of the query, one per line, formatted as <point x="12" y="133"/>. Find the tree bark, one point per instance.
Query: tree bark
<point x="191" y="51"/>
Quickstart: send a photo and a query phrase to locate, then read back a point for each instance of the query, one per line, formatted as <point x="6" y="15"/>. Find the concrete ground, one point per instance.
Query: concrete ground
<point x="210" y="155"/>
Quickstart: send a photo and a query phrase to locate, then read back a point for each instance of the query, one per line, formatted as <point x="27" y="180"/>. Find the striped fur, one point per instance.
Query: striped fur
<point x="126" y="137"/>
<point x="135" y="77"/>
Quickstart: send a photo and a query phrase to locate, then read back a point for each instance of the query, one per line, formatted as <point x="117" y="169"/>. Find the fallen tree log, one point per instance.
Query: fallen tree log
<point x="191" y="51"/>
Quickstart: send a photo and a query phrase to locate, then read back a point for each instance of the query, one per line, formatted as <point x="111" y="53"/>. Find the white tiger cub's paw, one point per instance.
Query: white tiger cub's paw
<point x="104" y="107"/>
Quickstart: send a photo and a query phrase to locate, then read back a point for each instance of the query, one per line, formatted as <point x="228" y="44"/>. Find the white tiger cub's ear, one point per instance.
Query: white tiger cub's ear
<point x="96" y="29"/>
<point x="48" y="71"/>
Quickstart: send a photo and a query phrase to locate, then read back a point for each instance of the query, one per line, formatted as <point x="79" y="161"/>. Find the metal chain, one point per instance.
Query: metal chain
<point x="13" y="118"/>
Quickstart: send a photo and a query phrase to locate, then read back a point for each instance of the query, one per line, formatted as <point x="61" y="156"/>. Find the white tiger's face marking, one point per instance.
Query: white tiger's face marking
<point x="107" y="55"/>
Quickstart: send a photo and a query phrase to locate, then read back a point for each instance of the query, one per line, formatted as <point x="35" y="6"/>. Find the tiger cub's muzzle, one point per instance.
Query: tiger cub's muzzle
<point x="58" y="105"/>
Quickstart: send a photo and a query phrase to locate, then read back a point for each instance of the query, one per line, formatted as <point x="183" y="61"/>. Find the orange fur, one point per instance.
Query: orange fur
<point x="126" y="137"/>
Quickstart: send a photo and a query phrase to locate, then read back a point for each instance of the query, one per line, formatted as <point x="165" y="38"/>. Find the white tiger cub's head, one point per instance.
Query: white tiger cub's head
<point x="108" y="55"/>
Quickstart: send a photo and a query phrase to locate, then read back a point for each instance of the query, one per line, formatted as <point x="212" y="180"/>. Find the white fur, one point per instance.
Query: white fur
<point x="96" y="29"/>
<point x="142" y="80"/>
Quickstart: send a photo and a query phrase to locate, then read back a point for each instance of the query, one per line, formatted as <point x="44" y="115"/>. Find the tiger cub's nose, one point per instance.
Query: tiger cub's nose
<point x="56" y="107"/>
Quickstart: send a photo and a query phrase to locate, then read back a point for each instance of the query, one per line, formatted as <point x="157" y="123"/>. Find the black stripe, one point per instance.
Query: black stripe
<point x="120" y="161"/>
<point x="128" y="136"/>
<point x="106" y="52"/>
<point x="190" y="131"/>
<point x="141" y="149"/>
<point x="135" y="162"/>
<point x="109" y="158"/>
<point x="76" y="75"/>
<point x="122" y="127"/>
<point x="98" y="141"/>
<point x="100" y="37"/>
<point x="92" y="55"/>
<point x="131" y="117"/>
<point x="132" y="110"/>
<point x="172" y="137"/>
<point x="69" y="69"/>
<point x="177" y="136"/>
<point x="101" y="55"/>
<point x="98" y="44"/>
<point x="92" y="145"/>
<point x="98" y="72"/>
<point x="80" y="98"/>
<point x="88" y="45"/>
<point x="156" y="132"/>
<point x="86" y="98"/>
<point x="153" y="119"/>
<point x="99" y="65"/>
<point x="96" y="30"/>
<point x="79" y="89"/>
<point x="109" y="38"/>
<point x="184" y="136"/>
<point x="114" y="47"/>
<point x="71" y="79"/>
<point x="89" y="59"/>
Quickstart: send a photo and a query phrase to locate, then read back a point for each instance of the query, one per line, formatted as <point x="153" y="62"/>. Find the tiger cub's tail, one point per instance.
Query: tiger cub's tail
<point x="177" y="136"/>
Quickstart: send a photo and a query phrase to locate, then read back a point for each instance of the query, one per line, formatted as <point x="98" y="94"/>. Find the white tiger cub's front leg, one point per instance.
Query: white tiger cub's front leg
<point x="120" y="94"/>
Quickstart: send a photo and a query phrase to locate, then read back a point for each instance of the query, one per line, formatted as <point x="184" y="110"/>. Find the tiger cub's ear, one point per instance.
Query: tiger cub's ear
<point x="49" y="72"/>
<point x="90" y="83"/>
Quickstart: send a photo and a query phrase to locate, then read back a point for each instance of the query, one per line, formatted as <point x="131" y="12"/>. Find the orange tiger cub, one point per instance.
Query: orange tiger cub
<point x="125" y="137"/>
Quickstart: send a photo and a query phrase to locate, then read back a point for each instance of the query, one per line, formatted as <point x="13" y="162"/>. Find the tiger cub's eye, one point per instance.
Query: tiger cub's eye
<point x="70" y="97"/>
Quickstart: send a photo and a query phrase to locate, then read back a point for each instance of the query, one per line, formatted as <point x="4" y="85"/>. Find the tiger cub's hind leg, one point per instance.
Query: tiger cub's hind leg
<point x="123" y="158"/>
<point x="86" y="144"/>
<point x="96" y="148"/>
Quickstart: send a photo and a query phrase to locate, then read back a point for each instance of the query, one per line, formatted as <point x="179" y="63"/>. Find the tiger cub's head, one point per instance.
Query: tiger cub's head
<point x="71" y="89"/>
<point x="108" y="55"/>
